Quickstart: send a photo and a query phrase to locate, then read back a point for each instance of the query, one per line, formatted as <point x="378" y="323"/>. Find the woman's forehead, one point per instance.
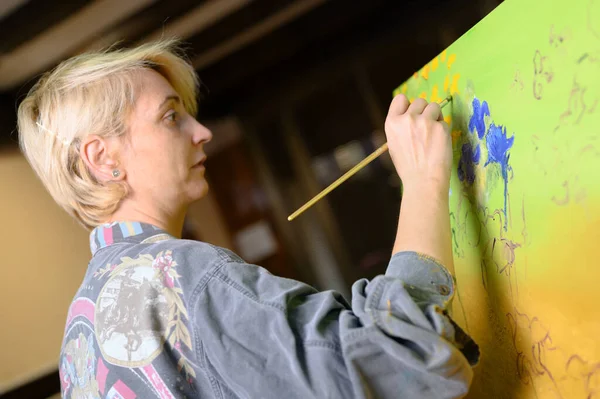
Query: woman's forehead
<point x="154" y="90"/>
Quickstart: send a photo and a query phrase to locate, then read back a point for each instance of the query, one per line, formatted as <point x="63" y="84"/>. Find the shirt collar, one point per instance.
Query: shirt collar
<point x="125" y="232"/>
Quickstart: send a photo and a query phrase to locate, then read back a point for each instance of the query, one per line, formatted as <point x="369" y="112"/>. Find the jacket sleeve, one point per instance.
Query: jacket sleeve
<point x="265" y="336"/>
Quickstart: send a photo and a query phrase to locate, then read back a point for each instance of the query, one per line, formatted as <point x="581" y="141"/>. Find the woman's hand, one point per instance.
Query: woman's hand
<point x="420" y="144"/>
<point x="421" y="148"/>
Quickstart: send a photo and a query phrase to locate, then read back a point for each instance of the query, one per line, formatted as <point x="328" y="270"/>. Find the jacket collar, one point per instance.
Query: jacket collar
<point x="125" y="232"/>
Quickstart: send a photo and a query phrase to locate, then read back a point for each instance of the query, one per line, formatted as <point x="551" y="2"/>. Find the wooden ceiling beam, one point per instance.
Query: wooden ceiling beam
<point x="257" y="31"/>
<point x="8" y="6"/>
<point x="197" y="19"/>
<point x="60" y="40"/>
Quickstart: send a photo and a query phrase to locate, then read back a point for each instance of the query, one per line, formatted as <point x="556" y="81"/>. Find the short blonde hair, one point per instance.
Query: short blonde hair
<point x="92" y="93"/>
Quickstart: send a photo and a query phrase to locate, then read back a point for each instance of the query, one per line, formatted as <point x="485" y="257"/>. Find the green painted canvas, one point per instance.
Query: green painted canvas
<point x="525" y="194"/>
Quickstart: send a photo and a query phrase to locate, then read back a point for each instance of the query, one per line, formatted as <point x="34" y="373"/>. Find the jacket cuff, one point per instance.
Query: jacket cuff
<point x="425" y="279"/>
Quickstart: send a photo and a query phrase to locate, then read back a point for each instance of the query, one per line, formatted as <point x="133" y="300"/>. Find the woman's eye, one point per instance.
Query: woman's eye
<point x="173" y="117"/>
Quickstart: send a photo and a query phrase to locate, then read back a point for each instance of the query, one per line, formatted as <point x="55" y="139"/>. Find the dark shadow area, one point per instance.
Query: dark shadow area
<point x="40" y="388"/>
<point x="497" y="374"/>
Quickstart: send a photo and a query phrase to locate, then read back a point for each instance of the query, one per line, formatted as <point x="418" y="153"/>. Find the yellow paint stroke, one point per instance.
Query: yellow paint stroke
<point x="434" y="95"/>
<point x="451" y="60"/>
<point x="448" y="119"/>
<point x="455" y="136"/>
<point x="396" y="92"/>
<point x="425" y="72"/>
<point x="404" y="88"/>
<point x="443" y="56"/>
<point x="416" y="75"/>
<point x="481" y="178"/>
<point x="434" y="64"/>
<point x="454" y="86"/>
<point x="411" y="99"/>
<point x="423" y="95"/>
<point x="446" y="83"/>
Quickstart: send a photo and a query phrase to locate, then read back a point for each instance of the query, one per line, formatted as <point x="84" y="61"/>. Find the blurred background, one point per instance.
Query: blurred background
<point x="295" y="92"/>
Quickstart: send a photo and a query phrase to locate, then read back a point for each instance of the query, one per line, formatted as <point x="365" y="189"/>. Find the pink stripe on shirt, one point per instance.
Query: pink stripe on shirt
<point x="157" y="382"/>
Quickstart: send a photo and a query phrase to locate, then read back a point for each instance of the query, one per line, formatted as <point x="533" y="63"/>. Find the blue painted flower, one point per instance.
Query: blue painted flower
<point x="477" y="121"/>
<point x="466" y="165"/>
<point x="498" y="145"/>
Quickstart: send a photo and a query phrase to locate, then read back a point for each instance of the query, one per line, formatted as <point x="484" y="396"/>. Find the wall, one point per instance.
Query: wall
<point x="45" y="254"/>
<point x="524" y="198"/>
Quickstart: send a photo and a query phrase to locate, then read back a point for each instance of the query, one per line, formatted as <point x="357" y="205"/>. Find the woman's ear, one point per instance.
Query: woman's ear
<point x="98" y="154"/>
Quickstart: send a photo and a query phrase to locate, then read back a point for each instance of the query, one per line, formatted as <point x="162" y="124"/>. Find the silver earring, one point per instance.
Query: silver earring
<point x="116" y="173"/>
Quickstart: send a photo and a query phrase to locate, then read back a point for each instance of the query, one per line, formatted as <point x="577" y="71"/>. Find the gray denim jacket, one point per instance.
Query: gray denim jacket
<point x="163" y="317"/>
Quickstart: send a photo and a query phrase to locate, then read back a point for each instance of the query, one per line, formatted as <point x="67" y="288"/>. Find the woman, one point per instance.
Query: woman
<point x="113" y="138"/>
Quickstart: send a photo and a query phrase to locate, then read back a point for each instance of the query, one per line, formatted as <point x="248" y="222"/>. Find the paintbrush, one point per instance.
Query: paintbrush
<point x="350" y="173"/>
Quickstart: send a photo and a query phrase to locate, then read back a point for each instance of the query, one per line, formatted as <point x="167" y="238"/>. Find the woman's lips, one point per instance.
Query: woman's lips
<point x="199" y="164"/>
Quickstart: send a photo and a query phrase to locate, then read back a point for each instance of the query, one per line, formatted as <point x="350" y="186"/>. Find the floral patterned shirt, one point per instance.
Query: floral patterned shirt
<point x="163" y="317"/>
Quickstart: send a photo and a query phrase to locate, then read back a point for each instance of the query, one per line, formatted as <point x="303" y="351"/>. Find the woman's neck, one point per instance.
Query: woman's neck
<point x="170" y="221"/>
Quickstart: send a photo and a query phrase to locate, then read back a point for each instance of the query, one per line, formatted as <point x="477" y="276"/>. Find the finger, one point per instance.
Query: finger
<point x="399" y="105"/>
<point x="433" y="111"/>
<point x="445" y="126"/>
<point x="417" y="106"/>
<point x="441" y="117"/>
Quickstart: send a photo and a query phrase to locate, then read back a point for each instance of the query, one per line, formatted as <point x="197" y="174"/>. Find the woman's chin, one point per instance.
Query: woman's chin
<point x="199" y="190"/>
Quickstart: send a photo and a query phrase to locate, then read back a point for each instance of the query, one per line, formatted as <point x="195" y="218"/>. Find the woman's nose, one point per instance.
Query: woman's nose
<point x="202" y="134"/>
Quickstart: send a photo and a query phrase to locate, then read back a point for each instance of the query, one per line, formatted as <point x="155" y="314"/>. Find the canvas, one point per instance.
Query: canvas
<point x="525" y="194"/>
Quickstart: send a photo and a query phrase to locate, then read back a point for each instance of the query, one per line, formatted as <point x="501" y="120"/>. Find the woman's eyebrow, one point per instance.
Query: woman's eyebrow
<point x="169" y="98"/>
